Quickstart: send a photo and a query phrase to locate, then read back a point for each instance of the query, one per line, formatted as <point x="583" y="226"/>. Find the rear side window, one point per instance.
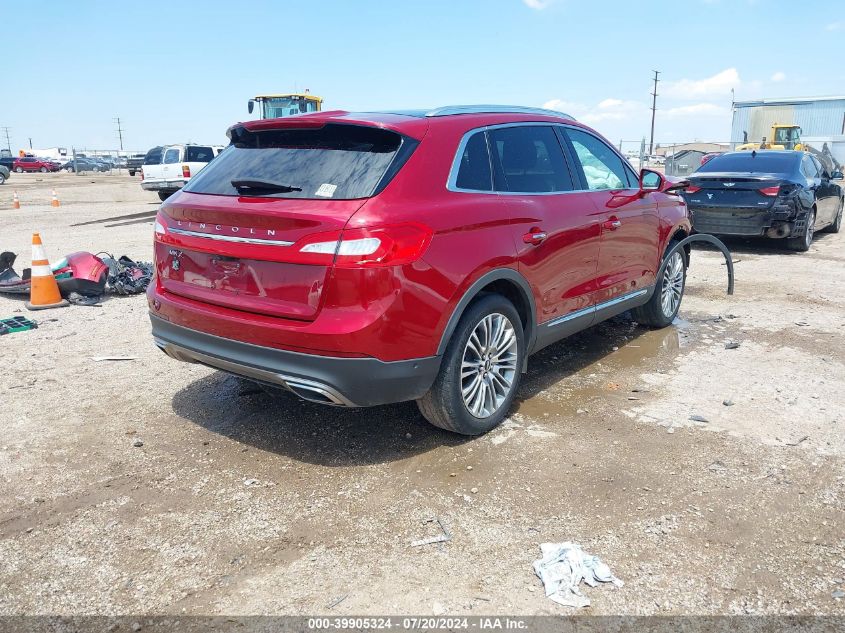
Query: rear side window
<point x="808" y="168"/>
<point x="474" y="168"/>
<point x="769" y="163"/>
<point x="528" y="159"/>
<point x="153" y="157"/>
<point x="171" y="156"/>
<point x="341" y="162"/>
<point x="602" y="167"/>
<point x="198" y="154"/>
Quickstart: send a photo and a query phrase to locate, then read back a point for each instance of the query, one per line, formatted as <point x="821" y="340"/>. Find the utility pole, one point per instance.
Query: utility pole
<point x="119" y="132"/>
<point x="653" y="112"/>
<point x="30" y="142"/>
<point x="8" y="141"/>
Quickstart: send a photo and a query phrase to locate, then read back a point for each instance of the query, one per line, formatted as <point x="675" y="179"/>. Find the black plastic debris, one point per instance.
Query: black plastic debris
<point x="127" y="277"/>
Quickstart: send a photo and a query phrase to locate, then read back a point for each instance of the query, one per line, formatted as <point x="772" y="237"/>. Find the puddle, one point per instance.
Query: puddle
<point x="566" y="378"/>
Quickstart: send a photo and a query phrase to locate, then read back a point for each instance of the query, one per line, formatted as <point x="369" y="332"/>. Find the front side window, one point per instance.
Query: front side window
<point x="528" y="159"/>
<point x="602" y="167"/>
<point x="474" y="168"/>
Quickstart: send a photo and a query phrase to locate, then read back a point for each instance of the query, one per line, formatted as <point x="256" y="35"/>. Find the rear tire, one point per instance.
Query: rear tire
<point x="837" y="221"/>
<point x="481" y="370"/>
<point x="802" y="243"/>
<point x="665" y="302"/>
<point x="2" y="179"/>
<point x="131" y="172"/>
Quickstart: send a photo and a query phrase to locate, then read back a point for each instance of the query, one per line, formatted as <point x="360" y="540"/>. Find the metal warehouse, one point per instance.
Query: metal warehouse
<point x="820" y="118"/>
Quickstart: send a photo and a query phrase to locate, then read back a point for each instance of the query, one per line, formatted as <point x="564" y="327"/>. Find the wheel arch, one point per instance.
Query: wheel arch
<point x="506" y="282"/>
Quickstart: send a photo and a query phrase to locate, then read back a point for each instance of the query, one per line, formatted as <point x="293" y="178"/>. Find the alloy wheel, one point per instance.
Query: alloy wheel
<point x="672" y="287"/>
<point x="488" y="367"/>
<point x="808" y="234"/>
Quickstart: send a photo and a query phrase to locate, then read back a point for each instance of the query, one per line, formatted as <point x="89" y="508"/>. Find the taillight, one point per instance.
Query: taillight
<point x="186" y="171"/>
<point x="770" y="191"/>
<point x="394" y="245"/>
<point x="692" y="189"/>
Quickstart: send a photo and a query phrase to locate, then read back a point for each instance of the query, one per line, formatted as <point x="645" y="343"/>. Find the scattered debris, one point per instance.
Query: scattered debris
<point x="445" y="537"/>
<point x="798" y="441"/>
<point x="337" y="602"/>
<point x="728" y="402"/>
<point x="699" y="418"/>
<point x="250" y="482"/>
<point x="838" y="594"/>
<point x="802" y="323"/>
<point x="562" y="568"/>
<point x="732" y="344"/>
<point x="717" y="467"/>
<point x="16" y="324"/>
<point x="137" y="443"/>
<point x="102" y="358"/>
<point x="127" y="277"/>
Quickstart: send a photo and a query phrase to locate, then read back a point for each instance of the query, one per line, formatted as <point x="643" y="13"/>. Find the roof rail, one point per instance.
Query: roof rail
<point x="489" y="109"/>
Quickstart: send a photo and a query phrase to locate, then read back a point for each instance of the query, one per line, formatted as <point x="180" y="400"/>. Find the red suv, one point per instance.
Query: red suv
<point x="29" y="163"/>
<point x="358" y="259"/>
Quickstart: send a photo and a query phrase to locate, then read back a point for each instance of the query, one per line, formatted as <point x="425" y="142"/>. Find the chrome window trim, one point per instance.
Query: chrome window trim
<point x="456" y="161"/>
<point x="495" y="109"/>
<point x="230" y="238"/>
<point x="595" y="308"/>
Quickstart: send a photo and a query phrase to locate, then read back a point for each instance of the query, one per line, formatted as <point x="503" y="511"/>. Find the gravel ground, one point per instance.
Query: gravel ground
<point x="711" y="480"/>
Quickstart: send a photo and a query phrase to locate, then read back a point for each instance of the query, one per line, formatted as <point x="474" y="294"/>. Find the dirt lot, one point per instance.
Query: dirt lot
<point x="711" y="480"/>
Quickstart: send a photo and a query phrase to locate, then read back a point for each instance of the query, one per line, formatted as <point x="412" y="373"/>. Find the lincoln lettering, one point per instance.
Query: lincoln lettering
<point x="220" y="227"/>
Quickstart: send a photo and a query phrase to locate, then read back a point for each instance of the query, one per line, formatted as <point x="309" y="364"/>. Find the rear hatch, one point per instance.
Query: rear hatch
<point x="257" y="230"/>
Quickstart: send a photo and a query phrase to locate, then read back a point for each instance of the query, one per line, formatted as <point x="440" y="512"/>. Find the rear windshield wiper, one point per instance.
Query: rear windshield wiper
<point x="266" y="186"/>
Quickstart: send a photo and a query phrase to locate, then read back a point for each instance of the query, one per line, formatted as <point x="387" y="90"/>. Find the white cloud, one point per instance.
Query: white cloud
<point x="778" y="76"/>
<point x="719" y="84"/>
<point x="833" y="26"/>
<point x="610" y="103"/>
<point x="537" y="5"/>
<point x="696" y="110"/>
<point x="606" y="110"/>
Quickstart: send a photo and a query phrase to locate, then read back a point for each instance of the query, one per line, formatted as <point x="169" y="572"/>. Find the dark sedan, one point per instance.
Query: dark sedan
<point x="777" y="194"/>
<point x="82" y="164"/>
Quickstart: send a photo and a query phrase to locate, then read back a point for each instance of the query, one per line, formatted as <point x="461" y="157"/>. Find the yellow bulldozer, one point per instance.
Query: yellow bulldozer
<point x="783" y="137"/>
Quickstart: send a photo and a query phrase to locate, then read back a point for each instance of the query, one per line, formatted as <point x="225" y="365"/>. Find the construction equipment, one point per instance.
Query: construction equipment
<point x="782" y="137"/>
<point x="273" y="106"/>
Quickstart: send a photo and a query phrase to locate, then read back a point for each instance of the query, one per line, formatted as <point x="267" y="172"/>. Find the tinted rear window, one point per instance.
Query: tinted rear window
<point x="775" y="163"/>
<point x="153" y="157"/>
<point x="341" y="162"/>
<point x="198" y="154"/>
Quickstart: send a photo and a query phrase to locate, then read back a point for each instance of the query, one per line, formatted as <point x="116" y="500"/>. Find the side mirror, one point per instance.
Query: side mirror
<point x="250" y="106"/>
<point x="837" y="175"/>
<point x="650" y="180"/>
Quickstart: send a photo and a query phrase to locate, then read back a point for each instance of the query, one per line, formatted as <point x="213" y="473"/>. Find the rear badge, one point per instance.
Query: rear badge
<point x="709" y="196"/>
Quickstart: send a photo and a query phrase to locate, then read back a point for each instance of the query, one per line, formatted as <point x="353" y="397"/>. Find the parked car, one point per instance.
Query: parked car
<point x="179" y="163"/>
<point x="4" y="174"/>
<point x="8" y="162"/>
<point x="362" y="259"/>
<point x="774" y="193"/>
<point x="82" y="164"/>
<point x="134" y="163"/>
<point x="30" y="163"/>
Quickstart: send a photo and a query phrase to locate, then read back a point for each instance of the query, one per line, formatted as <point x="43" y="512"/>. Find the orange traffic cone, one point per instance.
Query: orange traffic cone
<point x="55" y="201"/>
<point x="44" y="292"/>
<point x="16" y="204"/>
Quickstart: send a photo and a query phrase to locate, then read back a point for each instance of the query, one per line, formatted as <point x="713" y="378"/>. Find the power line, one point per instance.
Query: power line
<point x="119" y="132"/>
<point x="653" y="112"/>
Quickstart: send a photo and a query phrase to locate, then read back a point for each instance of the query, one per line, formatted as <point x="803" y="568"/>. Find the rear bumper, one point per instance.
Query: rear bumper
<point x="158" y="185"/>
<point x="743" y="221"/>
<point x="351" y="382"/>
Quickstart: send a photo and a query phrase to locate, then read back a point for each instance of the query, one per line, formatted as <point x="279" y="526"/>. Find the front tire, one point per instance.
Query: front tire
<point x="481" y="370"/>
<point x="2" y="179"/>
<point x="665" y="302"/>
<point x="19" y="170"/>
<point x="802" y="243"/>
<point x="43" y="170"/>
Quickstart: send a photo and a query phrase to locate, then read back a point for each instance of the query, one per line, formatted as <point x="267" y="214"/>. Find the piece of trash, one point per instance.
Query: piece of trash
<point x="798" y="441"/>
<point x="698" y="418"/>
<point x="732" y="344"/>
<point x="16" y="324"/>
<point x="102" y="358"/>
<point x="250" y="482"/>
<point x="802" y="323"/>
<point x="337" y="602"/>
<point x="81" y="300"/>
<point x="137" y="443"/>
<point x="562" y="568"/>
<point x="440" y="538"/>
<point x="728" y="402"/>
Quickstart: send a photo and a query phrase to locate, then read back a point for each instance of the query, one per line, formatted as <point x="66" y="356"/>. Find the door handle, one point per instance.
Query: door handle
<point x="534" y="236"/>
<point x="612" y="224"/>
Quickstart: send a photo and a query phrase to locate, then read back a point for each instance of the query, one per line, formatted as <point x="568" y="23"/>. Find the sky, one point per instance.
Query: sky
<point x="182" y="71"/>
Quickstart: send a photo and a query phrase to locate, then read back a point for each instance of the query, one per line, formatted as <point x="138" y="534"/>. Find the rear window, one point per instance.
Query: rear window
<point x="198" y="154"/>
<point x="153" y="157"/>
<point x="774" y="163"/>
<point x="341" y="162"/>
